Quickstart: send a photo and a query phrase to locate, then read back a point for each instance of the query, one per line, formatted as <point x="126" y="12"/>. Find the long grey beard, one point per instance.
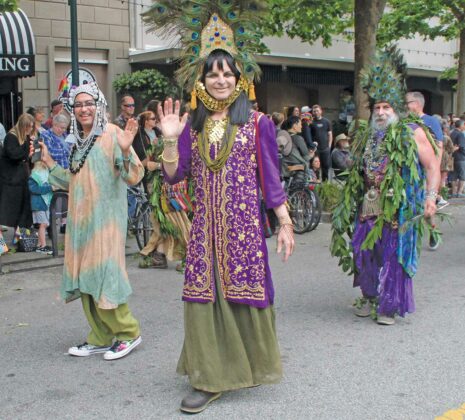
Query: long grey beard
<point x="376" y="126"/>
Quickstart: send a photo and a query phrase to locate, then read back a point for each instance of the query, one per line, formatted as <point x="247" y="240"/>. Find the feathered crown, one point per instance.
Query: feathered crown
<point x="208" y="25"/>
<point x="385" y="78"/>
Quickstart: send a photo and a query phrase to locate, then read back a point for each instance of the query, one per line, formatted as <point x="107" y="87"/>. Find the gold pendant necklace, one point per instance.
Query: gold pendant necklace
<point x="215" y="130"/>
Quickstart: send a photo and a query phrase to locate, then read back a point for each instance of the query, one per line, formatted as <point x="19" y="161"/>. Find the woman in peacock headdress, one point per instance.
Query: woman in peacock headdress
<point x="231" y="153"/>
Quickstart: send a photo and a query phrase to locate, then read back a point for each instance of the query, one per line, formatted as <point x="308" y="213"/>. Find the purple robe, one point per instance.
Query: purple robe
<point x="226" y="220"/>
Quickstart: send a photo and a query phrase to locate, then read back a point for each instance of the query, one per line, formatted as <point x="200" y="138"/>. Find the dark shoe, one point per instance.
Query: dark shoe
<point x="197" y="401"/>
<point x="433" y="244"/>
<point x="159" y="260"/>
<point x="63" y="229"/>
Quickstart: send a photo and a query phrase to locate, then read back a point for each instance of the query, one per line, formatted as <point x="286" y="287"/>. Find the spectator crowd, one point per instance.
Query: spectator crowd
<point x="309" y="142"/>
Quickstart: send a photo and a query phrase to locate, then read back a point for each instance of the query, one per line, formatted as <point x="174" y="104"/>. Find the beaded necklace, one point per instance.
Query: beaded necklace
<point x="80" y="163"/>
<point x="375" y="153"/>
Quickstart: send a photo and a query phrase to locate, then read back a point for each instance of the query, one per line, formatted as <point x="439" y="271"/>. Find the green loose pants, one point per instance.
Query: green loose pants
<point x="229" y="346"/>
<point x="107" y="324"/>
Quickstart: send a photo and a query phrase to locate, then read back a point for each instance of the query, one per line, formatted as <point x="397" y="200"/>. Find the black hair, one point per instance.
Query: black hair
<point x="239" y="110"/>
<point x="290" y="110"/>
<point x="31" y="111"/>
<point x="293" y="119"/>
<point x="152" y="105"/>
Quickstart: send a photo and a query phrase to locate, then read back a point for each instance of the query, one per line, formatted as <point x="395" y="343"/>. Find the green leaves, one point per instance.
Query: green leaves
<point x="402" y="149"/>
<point x="148" y="84"/>
<point x="8" y="6"/>
<point x="309" y="20"/>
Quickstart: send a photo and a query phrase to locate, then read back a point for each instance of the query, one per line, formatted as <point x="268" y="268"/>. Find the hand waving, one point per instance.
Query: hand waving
<point x="126" y="140"/>
<point x="171" y="124"/>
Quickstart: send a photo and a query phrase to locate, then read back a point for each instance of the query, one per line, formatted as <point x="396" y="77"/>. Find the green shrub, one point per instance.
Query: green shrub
<point x="330" y="194"/>
<point x="146" y="85"/>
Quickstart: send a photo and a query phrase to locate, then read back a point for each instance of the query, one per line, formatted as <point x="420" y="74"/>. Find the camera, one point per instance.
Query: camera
<point x="37" y="155"/>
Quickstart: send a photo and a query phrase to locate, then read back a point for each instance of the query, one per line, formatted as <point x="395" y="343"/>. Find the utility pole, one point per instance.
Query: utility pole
<point x="74" y="43"/>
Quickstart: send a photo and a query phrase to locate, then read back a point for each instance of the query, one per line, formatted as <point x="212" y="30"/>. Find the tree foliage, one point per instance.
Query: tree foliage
<point x="431" y="19"/>
<point x="323" y="20"/>
<point x="8" y="6"/>
<point x="309" y="19"/>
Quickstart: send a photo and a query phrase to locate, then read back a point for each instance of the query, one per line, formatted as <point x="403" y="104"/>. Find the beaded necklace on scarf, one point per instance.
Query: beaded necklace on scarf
<point x="221" y="135"/>
<point x="375" y="153"/>
<point x="75" y="168"/>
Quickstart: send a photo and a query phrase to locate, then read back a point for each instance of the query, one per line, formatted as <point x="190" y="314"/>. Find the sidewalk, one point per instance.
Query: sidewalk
<point x="14" y="262"/>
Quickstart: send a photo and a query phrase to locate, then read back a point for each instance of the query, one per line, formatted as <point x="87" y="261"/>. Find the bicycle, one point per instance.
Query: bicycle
<point x="304" y="203"/>
<point x="140" y="225"/>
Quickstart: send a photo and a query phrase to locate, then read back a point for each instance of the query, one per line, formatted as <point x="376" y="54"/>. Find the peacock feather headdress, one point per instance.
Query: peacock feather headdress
<point x="385" y="78"/>
<point x="208" y="25"/>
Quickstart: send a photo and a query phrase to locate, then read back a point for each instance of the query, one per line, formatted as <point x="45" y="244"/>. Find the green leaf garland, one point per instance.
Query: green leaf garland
<point x="402" y="151"/>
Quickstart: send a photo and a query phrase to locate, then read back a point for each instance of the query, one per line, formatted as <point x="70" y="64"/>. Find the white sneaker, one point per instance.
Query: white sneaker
<point x="121" y="348"/>
<point x="364" y="311"/>
<point x="84" y="350"/>
<point x="385" y="320"/>
<point x="442" y="202"/>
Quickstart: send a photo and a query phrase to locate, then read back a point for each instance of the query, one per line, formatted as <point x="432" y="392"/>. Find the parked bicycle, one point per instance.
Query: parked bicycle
<point x="139" y="222"/>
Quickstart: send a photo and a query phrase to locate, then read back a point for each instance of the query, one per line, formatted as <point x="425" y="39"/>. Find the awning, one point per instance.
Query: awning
<point x="17" y="45"/>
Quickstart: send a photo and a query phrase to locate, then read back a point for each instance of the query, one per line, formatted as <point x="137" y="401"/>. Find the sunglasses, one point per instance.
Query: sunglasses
<point x="129" y="105"/>
<point x="152" y="119"/>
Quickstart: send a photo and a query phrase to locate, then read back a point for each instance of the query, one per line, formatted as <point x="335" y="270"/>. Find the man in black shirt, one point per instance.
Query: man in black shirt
<point x="323" y="136"/>
<point x="458" y="176"/>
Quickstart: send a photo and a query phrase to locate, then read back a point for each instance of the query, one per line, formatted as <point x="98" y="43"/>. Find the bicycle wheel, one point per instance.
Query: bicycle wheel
<point x="301" y="209"/>
<point x="316" y="210"/>
<point x="143" y="226"/>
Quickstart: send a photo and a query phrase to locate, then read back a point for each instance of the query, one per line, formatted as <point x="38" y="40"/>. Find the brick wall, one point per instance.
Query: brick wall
<point x="103" y="25"/>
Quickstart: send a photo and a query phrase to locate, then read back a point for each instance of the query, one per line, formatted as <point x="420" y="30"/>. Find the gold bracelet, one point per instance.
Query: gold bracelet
<point x="175" y="159"/>
<point x="285" y="220"/>
<point x="286" y="224"/>
<point x="170" y="141"/>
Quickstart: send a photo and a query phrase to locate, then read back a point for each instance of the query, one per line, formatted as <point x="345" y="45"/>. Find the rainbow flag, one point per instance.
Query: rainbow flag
<point x="64" y="87"/>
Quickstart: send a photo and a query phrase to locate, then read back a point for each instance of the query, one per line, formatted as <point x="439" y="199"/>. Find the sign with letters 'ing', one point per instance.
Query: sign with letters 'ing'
<point x="17" y="65"/>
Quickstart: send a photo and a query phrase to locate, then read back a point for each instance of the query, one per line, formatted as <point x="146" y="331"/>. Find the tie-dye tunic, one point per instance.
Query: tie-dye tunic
<point x="97" y="222"/>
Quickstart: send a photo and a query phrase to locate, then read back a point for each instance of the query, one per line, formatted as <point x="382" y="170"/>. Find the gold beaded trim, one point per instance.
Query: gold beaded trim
<point x="213" y="104"/>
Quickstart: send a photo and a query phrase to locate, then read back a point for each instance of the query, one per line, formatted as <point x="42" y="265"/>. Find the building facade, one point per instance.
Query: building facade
<point x="113" y="40"/>
<point x="103" y="39"/>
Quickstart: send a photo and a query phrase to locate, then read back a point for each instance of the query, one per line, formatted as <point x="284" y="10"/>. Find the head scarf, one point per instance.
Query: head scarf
<point x="100" y="118"/>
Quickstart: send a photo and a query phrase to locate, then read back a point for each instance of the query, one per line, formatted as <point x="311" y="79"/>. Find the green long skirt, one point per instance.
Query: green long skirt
<point x="229" y="346"/>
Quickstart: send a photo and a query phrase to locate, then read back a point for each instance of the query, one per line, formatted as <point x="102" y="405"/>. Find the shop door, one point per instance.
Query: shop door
<point x="10" y="102"/>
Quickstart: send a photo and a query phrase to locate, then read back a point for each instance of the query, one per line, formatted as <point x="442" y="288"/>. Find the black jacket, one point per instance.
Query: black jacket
<point x="14" y="161"/>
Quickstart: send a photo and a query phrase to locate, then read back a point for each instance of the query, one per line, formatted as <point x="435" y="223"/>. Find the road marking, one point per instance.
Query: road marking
<point x="457" y="414"/>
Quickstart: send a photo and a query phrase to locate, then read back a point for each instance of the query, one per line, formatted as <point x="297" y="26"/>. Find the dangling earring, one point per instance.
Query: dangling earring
<point x="252" y="96"/>
<point x="193" y="99"/>
<point x="72" y="126"/>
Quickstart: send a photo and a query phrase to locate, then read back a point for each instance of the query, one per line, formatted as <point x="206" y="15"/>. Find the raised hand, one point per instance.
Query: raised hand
<point x="130" y="131"/>
<point x="171" y="125"/>
<point x="45" y="156"/>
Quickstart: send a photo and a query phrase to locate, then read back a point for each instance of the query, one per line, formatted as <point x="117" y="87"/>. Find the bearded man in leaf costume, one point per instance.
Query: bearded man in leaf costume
<point x="389" y="197"/>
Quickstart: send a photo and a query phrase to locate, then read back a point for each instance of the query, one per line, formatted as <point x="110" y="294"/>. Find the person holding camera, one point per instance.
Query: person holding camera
<point x="15" y="206"/>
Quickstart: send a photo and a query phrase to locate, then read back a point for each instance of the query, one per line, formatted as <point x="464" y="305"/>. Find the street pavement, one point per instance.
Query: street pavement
<point x="336" y="366"/>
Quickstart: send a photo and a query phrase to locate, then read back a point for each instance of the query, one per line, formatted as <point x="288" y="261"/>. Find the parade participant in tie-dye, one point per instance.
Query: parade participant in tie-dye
<point x="101" y="163"/>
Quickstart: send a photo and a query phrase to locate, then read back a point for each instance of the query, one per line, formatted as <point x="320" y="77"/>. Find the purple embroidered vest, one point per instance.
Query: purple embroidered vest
<point x="226" y="226"/>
